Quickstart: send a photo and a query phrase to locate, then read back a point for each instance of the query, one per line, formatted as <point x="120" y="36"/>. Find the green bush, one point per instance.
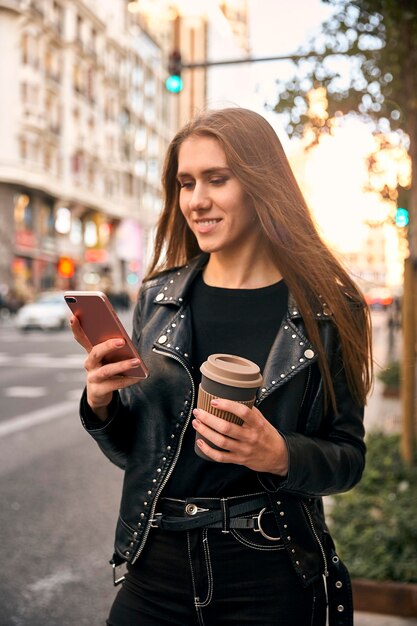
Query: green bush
<point x="375" y="524"/>
<point x="390" y="375"/>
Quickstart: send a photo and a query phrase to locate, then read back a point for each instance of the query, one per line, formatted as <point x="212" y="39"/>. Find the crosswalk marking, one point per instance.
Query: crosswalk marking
<point x="69" y="361"/>
<point x="25" y="392"/>
<point x="21" y="422"/>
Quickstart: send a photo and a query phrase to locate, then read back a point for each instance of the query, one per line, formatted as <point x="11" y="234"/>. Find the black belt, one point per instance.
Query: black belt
<point x="224" y="513"/>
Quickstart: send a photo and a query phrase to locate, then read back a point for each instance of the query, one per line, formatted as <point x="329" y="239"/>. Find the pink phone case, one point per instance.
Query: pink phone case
<point x="100" y="322"/>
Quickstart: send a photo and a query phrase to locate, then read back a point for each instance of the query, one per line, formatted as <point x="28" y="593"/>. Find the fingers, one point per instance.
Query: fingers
<point x="246" y="432"/>
<point x="101" y="373"/>
<point x="216" y="424"/>
<point x="103" y="380"/>
<point x="79" y="334"/>
<point x="232" y="450"/>
<point x="217" y="438"/>
<point x="98" y="353"/>
<point x="256" y="443"/>
<point x="215" y="455"/>
<point x="249" y="416"/>
<point x="220" y="432"/>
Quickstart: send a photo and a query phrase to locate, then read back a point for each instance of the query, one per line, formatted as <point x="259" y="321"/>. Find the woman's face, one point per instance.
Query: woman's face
<point x="212" y="199"/>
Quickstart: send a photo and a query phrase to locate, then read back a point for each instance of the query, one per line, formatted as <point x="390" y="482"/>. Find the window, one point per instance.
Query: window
<point x="24" y="93"/>
<point x="90" y="83"/>
<point x="23" y="148"/>
<point x="79" y="29"/>
<point x="25" y="48"/>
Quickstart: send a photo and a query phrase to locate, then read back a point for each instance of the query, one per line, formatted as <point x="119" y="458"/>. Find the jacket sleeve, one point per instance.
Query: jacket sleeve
<point x="332" y="459"/>
<point x="114" y="435"/>
<point x="111" y="435"/>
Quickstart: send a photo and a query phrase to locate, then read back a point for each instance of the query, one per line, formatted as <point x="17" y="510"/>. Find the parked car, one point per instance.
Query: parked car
<point x="48" y="312"/>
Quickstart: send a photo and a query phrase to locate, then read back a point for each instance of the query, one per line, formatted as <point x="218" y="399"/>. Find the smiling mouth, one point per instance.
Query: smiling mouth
<point x="207" y="222"/>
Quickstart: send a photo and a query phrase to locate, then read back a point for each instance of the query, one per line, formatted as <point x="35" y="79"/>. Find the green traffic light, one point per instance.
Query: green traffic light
<point x="401" y="217"/>
<point x="174" y="83"/>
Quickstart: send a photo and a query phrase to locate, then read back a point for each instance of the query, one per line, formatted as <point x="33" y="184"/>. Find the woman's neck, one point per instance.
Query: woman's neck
<point x="247" y="273"/>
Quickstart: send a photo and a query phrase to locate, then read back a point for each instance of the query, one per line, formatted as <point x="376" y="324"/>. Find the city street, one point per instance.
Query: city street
<point x="135" y="134"/>
<point x="59" y="494"/>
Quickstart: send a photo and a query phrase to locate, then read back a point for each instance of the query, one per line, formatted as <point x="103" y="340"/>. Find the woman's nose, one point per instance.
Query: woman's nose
<point x="199" y="198"/>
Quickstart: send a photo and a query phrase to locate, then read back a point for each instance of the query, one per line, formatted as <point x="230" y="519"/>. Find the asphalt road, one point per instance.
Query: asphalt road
<point x="59" y="495"/>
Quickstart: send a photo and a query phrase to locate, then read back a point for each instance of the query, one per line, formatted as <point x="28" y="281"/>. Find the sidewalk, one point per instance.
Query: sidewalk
<point x="382" y="414"/>
<point x="373" y="619"/>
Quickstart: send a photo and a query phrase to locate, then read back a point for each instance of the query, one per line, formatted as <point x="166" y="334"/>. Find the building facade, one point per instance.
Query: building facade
<point x="84" y="122"/>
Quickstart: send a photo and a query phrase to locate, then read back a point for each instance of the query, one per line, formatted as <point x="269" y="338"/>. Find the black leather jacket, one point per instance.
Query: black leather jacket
<point x="143" y="435"/>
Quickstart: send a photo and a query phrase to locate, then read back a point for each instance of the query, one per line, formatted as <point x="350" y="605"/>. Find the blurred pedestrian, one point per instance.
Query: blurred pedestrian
<point x="239" y="268"/>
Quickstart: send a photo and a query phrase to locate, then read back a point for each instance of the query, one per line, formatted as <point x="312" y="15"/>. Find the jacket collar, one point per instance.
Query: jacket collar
<point x="175" y="284"/>
<point x="291" y="352"/>
<point x="320" y="310"/>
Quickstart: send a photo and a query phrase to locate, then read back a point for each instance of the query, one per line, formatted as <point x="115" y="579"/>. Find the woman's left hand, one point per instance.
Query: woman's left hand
<point x="255" y="444"/>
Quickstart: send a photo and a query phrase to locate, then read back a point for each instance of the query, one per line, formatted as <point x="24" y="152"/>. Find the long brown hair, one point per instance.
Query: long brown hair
<point x="313" y="274"/>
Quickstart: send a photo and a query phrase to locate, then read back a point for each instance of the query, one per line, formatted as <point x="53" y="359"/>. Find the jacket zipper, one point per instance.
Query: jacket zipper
<point x="174" y="462"/>
<point x="310" y="519"/>
<point x="306" y="389"/>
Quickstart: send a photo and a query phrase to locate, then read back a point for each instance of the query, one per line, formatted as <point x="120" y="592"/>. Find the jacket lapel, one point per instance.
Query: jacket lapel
<point x="291" y="352"/>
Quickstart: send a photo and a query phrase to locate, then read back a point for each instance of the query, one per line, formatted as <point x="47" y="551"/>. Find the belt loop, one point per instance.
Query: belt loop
<point x="226" y="516"/>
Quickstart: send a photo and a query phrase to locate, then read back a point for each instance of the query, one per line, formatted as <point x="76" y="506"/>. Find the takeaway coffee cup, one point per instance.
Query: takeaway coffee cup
<point x="226" y="376"/>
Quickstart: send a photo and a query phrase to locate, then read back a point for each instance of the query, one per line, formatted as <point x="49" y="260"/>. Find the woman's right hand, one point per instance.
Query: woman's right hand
<point x="102" y="380"/>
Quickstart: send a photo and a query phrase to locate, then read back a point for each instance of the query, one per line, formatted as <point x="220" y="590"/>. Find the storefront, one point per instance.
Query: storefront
<point x="53" y="244"/>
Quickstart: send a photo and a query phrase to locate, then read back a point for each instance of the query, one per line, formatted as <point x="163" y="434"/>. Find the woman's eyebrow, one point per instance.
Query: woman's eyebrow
<point x="208" y="171"/>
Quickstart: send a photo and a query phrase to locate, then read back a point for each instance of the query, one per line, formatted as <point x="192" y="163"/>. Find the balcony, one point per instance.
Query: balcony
<point x="11" y="5"/>
<point x="32" y="119"/>
<point x="36" y="7"/>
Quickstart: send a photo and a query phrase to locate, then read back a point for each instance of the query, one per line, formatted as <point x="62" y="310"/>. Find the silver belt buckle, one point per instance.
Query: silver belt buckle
<point x="261" y="530"/>
<point x="193" y="509"/>
<point x="117" y="580"/>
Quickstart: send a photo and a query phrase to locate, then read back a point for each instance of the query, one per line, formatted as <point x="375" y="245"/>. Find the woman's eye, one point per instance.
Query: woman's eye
<point x="185" y="184"/>
<point x="218" y="181"/>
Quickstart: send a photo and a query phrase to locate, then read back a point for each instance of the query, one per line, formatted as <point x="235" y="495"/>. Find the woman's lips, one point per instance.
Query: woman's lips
<point x="207" y="225"/>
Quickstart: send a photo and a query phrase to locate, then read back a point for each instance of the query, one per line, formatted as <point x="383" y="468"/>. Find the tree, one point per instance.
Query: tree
<point x="367" y="64"/>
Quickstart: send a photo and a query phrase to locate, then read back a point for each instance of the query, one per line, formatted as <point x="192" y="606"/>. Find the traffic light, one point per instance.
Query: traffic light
<point x="401" y="214"/>
<point x="174" y="81"/>
<point x="401" y="217"/>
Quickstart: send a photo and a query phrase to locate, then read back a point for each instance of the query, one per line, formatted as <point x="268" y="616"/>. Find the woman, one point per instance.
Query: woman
<point x="240" y="268"/>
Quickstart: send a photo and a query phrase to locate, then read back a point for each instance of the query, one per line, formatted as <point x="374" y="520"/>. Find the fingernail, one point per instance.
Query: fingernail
<point x="214" y="403"/>
<point x="196" y="412"/>
<point x="120" y="343"/>
<point x="135" y="361"/>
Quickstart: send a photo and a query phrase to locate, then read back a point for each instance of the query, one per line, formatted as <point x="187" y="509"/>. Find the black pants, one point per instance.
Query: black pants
<point x="205" y="577"/>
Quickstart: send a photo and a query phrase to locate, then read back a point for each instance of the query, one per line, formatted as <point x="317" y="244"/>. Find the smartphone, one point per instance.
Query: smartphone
<point x="100" y="322"/>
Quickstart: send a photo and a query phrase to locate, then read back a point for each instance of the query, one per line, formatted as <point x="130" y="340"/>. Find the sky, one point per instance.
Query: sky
<point x="280" y="27"/>
<point x="277" y="27"/>
<point x="333" y="176"/>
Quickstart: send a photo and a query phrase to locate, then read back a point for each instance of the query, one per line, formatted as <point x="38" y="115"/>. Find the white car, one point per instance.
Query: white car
<point x="48" y="312"/>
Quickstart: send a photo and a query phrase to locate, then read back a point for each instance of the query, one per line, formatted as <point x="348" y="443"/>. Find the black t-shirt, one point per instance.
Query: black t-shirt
<point x="235" y="321"/>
